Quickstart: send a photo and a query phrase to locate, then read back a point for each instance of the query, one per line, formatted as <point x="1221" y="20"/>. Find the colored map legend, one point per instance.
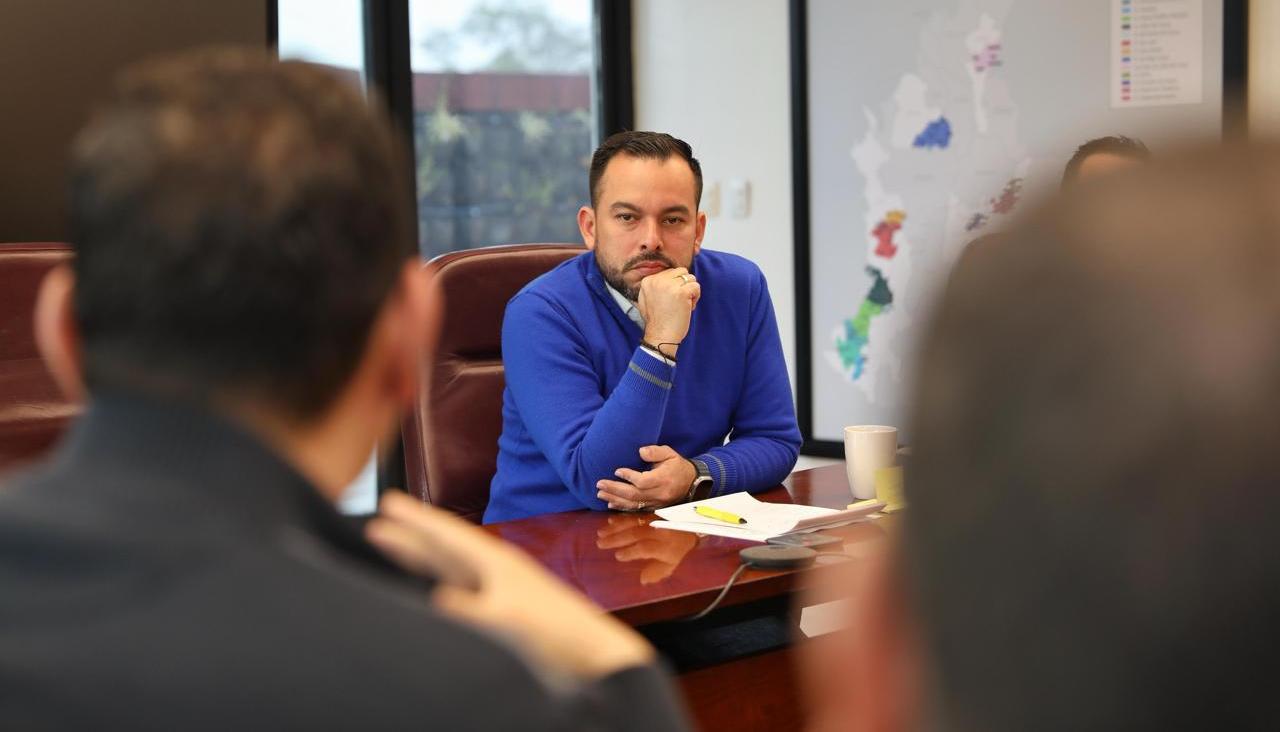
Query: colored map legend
<point x="1157" y="52"/>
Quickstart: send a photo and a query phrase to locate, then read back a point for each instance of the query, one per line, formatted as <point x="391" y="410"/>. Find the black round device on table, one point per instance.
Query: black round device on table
<point x="773" y="556"/>
<point x="769" y="556"/>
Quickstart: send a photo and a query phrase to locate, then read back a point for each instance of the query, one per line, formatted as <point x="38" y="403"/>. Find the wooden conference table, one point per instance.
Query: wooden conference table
<point x="654" y="579"/>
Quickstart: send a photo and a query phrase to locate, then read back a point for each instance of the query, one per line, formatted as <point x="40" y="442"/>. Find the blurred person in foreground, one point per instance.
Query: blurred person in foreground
<point x="247" y="318"/>
<point x="1090" y="540"/>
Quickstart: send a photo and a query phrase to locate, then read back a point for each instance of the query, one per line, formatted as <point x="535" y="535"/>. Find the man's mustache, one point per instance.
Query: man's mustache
<point x="651" y="257"/>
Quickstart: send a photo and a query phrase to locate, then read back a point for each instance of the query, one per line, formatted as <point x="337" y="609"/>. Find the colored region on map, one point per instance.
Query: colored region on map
<point x="884" y="231"/>
<point x="987" y="58"/>
<point x="1008" y="198"/>
<point x="935" y="134"/>
<point x="983" y="45"/>
<point x="852" y="344"/>
<point x="975" y="222"/>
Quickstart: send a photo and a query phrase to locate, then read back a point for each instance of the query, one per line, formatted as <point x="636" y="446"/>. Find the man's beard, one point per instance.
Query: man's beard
<point x="614" y="275"/>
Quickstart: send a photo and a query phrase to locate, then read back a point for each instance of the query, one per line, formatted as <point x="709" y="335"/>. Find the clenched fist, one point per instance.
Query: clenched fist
<point x="666" y="303"/>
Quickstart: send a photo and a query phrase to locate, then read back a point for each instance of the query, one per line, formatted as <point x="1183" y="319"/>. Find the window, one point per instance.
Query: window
<point x="329" y="32"/>
<point x="503" y="120"/>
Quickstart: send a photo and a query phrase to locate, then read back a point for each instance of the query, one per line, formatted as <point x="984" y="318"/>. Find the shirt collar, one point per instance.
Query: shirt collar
<point x="169" y="457"/>
<point x="630" y="309"/>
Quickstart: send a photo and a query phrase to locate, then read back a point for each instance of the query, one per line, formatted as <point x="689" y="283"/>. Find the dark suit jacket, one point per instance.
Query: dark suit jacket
<point x="166" y="571"/>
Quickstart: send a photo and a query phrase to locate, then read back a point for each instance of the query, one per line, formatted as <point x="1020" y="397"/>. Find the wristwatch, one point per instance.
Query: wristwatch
<point x="701" y="486"/>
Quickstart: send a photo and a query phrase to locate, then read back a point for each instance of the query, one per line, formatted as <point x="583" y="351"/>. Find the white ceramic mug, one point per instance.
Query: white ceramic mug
<point x="868" y="448"/>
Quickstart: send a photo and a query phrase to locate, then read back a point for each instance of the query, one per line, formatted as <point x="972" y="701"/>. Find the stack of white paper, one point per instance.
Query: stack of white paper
<point x="764" y="520"/>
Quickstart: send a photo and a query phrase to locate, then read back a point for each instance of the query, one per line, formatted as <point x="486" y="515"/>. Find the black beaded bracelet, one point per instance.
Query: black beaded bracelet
<point x="657" y="349"/>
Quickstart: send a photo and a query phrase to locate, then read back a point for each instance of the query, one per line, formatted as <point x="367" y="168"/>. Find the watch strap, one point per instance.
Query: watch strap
<point x="702" y="481"/>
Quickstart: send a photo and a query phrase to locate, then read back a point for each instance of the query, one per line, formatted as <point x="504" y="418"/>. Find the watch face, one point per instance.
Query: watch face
<point x="701" y="487"/>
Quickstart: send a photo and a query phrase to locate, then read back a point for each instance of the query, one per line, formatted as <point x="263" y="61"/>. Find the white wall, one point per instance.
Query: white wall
<point x="716" y="73"/>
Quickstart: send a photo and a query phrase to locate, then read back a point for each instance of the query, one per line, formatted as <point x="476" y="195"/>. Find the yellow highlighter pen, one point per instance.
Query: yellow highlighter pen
<point x="725" y="516"/>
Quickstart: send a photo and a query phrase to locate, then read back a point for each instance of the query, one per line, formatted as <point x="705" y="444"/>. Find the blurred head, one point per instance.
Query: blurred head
<point x="241" y="236"/>
<point x="643" y="217"/>
<point x="241" y="233"/>
<point x="1102" y="156"/>
<point x="1091" y="540"/>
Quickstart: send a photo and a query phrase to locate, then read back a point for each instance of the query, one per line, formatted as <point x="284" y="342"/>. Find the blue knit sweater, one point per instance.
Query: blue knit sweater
<point x="582" y="397"/>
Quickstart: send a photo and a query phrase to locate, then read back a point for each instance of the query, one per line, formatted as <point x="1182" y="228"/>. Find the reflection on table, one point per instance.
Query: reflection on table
<point x="632" y="539"/>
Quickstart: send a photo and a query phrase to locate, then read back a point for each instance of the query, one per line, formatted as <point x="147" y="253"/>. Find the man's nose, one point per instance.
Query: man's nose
<point x="651" y="236"/>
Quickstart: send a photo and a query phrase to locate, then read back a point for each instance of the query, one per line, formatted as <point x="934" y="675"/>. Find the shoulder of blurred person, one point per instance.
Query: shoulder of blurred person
<point x="206" y="585"/>
<point x="1089" y="542"/>
<point x="248" y="318"/>
<point x="977" y="250"/>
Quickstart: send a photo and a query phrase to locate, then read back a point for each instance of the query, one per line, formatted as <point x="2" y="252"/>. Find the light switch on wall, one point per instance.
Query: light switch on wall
<point x="711" y="199"/>
<point x="739" y="192"/>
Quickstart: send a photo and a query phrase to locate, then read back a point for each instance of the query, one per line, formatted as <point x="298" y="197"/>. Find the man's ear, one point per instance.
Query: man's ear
<point x="587" y="225"/>
<point x="58" y="334"/>
<point x="701" y="231"/>
<point x="414" y="328"/>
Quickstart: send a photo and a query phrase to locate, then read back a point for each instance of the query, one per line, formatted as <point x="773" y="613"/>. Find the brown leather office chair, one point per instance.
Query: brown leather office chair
<point x="451" y="435"/>
<point x="33" y="412"/>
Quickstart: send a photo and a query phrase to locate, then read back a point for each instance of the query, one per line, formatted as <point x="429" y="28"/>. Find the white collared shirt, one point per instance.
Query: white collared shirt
<point x="632" y="311"/>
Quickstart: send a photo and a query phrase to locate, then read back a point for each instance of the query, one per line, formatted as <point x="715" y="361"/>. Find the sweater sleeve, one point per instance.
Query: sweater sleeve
<point x="765" y="439"/>
<point x="584" y="434"/>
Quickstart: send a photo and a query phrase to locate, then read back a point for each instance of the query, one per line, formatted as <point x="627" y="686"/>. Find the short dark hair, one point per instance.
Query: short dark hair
<point x="648" y="145"/>
<point x="1128" y="147"/>
<point x="238" y="223"/>
<point x="1092" y="536"/>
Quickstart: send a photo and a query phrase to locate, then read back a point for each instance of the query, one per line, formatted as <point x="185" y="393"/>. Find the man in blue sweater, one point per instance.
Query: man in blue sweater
<point x="628" y="366"/>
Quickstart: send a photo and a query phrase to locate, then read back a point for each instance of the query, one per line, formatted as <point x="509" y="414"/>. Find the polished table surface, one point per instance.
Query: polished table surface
<point x="645" y="575"/>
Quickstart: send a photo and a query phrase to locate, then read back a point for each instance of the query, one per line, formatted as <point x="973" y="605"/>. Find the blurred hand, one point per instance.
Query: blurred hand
<point x="666" y="302"/>
<point x="865" y="676"/>
<point x="557" y="626"/>
<point x="667" y="481"/>
<point x="635" y="540"/>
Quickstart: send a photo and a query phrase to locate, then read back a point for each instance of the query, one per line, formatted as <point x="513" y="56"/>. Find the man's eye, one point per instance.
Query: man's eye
<point x="675" y="220"/>
<point x="626" y="218"/>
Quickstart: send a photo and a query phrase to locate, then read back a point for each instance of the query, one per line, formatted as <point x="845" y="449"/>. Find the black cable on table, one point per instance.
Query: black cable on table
<point x="716" y="602"/>
<point x="734" y="578"/>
